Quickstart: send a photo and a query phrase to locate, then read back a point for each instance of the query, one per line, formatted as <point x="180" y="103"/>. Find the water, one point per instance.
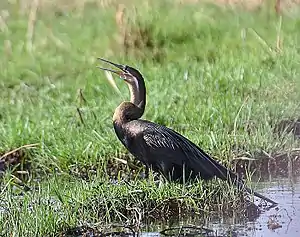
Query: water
<point x="284" y="220"/>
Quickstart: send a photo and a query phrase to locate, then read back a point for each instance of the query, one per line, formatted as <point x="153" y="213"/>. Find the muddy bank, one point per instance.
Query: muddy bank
<point x="264" y="165"/>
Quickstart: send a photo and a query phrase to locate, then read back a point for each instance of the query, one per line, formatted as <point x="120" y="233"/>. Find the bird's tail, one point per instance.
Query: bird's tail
<point x="240" y="184"/>
<point x="226" y="174"/>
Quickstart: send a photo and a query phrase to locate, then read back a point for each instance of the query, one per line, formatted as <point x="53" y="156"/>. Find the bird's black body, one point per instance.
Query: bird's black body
<point x="159" y="147"/>
<point x="168" y="152"/>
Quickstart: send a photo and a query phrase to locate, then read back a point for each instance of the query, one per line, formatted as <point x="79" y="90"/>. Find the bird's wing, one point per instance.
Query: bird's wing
<point x="165" y="146"/>
<point x="162" y="146"/>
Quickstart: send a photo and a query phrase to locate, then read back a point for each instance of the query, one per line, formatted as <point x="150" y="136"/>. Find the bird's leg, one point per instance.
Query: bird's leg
<point x="147" y="172"/>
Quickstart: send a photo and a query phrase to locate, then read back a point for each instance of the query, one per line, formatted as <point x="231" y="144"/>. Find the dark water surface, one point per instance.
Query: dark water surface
<point x="284" y="220"/>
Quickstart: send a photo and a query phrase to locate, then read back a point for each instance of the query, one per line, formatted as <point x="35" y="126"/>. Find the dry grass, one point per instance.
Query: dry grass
<point x="79" y="4"/>
<point x="68" y="4"/>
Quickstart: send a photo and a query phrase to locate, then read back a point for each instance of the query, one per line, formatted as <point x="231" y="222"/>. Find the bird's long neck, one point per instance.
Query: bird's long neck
<point x="138" y="94"/>
<point x="128" y="111"/>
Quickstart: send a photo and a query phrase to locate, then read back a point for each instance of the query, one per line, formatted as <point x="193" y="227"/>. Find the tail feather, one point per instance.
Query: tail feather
<point x="241" y="186"/>
<point x="226" y="174"/>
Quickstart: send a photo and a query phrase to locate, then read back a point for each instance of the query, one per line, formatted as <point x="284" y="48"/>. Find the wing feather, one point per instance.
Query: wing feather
<point x="164" y="147"/>
<point x="166" y="150"/>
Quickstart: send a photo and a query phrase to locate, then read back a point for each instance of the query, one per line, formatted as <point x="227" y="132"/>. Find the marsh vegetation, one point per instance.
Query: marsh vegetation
<point x="225" y="77"/>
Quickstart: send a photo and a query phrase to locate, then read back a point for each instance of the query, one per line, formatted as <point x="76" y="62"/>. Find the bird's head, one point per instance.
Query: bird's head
<point x="127" y="73"/>
<point x="135" y="82"/>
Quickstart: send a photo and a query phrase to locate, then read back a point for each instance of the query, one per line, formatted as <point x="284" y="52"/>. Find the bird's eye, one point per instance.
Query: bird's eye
<point x="122" y="75"/>
<point x="125" y="75"/>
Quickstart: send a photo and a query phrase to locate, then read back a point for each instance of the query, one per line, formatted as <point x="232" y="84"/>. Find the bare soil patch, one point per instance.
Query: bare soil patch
<point x="17" y="161"/>
<point x="288" y="126"/>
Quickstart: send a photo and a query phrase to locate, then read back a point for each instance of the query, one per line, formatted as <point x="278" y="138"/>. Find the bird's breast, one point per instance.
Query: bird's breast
<point x="121" y="134"/>
<point x="129" y="134"/>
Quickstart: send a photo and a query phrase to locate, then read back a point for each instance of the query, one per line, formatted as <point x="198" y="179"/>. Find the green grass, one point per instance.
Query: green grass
<point x="235" y="93"/>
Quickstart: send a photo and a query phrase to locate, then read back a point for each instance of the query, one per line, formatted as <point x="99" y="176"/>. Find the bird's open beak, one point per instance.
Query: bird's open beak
<point x="121" y="67"/>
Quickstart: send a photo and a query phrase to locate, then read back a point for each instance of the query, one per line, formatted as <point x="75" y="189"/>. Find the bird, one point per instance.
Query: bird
<point x="158" y="147"/>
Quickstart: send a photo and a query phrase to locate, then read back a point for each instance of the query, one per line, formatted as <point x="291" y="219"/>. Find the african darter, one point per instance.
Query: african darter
<point x="159" y="147"/>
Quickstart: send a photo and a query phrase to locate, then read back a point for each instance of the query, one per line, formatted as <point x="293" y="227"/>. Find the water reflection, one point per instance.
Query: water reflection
<point x="284" y="220"/>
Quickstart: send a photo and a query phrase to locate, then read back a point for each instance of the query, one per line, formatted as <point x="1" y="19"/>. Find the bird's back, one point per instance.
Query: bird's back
<point x="169" y="153"/>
